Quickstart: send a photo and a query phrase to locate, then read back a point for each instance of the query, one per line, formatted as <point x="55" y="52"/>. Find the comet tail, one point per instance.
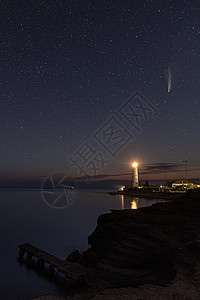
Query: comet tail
<point x="169" y="79"/>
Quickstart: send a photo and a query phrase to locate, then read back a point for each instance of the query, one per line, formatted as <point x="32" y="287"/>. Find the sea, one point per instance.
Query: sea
<point x="32" y="217"/>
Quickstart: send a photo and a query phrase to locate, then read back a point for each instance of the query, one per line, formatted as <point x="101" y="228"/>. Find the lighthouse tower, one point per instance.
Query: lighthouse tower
<point x="135" y="175"/>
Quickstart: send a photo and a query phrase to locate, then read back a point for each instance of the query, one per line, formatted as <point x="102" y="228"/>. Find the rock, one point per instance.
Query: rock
<point x="75" y="256"/>
<point x="133" y="247"/>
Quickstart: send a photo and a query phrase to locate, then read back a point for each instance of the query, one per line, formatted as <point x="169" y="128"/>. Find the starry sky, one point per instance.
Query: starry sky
<point x="68" y="69"/>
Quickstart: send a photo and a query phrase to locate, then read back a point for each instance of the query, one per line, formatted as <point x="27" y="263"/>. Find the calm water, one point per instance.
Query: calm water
<point x="25" y="217"/>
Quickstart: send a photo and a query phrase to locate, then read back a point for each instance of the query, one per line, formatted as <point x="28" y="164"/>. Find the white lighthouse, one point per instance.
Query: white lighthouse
<point x="135" y="175"/>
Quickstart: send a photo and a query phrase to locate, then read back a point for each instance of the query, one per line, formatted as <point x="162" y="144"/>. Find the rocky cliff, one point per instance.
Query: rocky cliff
<point x="148" y="245"/>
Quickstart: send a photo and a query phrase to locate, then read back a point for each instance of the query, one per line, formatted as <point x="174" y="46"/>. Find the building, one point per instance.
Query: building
<point x="135" y="175"/>
<point x="182" y="184"/>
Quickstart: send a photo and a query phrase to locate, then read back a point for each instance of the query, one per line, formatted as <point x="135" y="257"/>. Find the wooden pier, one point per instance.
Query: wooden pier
<point x="72" y="270"/>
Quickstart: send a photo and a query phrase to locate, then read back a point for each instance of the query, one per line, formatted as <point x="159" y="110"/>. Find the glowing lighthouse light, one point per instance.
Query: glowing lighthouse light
<point x="134" y="165"/>
<point x="135" y="175"/>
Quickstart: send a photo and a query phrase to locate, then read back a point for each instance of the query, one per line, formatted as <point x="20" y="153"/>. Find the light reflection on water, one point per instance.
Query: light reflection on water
<point x="128" y="202"/>
<point x="133" y="204"/>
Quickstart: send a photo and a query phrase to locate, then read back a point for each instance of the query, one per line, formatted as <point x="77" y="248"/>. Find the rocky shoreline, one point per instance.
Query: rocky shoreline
<point x="154" y="249"/>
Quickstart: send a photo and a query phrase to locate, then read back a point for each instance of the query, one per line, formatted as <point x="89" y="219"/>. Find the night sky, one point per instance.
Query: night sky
<point x="68" y="69"/>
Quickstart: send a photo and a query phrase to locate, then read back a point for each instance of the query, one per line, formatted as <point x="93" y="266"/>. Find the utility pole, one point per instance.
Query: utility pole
<point x="186" y="167"/>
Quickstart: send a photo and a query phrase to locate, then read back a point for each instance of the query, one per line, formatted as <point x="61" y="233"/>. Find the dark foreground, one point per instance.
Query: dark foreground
<point x="149" y="253"/>
<point x="152" y="252"/>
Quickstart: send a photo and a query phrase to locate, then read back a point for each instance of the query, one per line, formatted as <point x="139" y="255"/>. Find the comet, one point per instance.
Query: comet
<point x="169" y="80"/>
